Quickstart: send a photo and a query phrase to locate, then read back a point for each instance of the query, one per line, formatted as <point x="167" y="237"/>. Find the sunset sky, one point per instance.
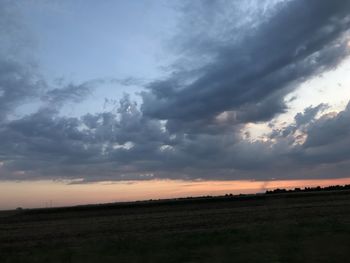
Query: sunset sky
<point x="104" y="101"/>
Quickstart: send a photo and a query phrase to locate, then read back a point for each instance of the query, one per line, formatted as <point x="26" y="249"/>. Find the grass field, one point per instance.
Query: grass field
<point x="292" y="227"/>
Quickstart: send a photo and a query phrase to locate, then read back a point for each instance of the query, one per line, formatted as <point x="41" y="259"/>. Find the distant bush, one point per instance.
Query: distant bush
<point x="310" y="189"/>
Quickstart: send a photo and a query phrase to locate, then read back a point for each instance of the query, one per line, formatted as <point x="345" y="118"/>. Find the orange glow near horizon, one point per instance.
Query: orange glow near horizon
<point x="47" y="193"/>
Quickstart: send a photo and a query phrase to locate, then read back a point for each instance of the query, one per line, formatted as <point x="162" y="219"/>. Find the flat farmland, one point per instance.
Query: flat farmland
<point x="291" y="227"/>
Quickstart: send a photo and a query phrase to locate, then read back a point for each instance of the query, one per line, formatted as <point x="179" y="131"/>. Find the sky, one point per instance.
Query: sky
<point x="128" y="100"/>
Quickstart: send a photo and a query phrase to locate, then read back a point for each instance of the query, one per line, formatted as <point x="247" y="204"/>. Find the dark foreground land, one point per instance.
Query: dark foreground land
<point x="286" y="227"/>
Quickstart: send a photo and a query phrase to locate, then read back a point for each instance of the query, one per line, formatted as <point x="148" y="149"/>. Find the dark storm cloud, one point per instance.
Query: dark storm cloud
<point x="46" y="144"/>
<point x="126" y="145"/>
<point x="237" y="70"/>
<point x="252" y="73"/>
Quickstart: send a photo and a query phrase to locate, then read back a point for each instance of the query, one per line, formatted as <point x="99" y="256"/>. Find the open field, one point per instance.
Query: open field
<point x="291" y="227"/>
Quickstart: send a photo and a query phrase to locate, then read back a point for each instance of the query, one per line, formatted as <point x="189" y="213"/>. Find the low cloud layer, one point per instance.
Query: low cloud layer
<point x="233" y="70"/>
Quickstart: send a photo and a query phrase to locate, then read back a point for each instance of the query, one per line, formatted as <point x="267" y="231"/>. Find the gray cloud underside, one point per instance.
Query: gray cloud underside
<point x="128" y="145"/>
<point x="251" y="74"/>
<point x="189" y="124"/>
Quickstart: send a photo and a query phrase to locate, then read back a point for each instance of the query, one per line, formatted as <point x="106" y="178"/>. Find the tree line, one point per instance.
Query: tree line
<point x="309" y="189"/>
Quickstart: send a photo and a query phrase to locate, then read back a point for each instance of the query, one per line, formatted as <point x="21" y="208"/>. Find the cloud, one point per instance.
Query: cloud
<point x="19" y="79"/>
<point x="309" y="114"/>
<point x="251" y="72"/>
<point x="329" y="129"/>
<point x="18" y="84"/>
<point x="301" y="120"/>
<point x="324" y="142"/>
<point x="128" y="146"/>
<point x="71" y="92"/>
<point x="190" y="124"/>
